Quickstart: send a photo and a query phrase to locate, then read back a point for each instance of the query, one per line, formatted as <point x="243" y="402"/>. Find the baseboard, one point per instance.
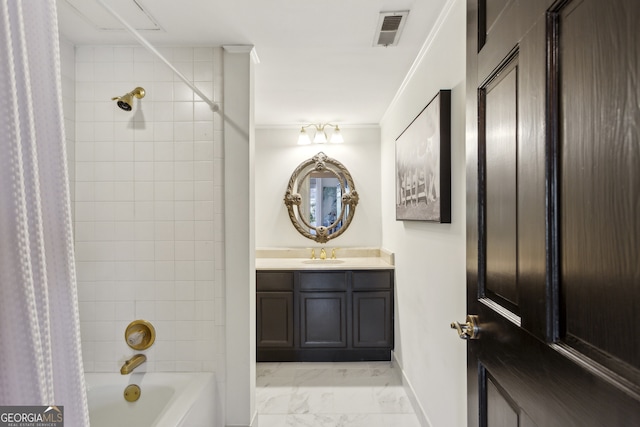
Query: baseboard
<point x="408" y="389"/>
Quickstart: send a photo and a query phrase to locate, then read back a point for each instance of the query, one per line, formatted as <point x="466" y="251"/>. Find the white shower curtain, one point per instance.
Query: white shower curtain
<point x="40" y="355"/>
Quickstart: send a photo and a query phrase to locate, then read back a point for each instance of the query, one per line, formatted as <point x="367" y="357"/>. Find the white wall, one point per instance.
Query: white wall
<point x="277" y="156"/>
<point x="430" y="258"/>
<point x="149" y="208"/>
<point x="239" y="254"/>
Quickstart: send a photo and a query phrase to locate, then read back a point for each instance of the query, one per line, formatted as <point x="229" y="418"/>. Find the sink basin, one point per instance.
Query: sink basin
<point x="323" y="261"/>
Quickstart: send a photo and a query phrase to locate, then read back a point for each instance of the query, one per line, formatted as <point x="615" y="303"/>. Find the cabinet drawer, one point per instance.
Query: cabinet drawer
<point x="274" y="281"/>
<point x="323" y="281"/>
<point x="372" y="280"/>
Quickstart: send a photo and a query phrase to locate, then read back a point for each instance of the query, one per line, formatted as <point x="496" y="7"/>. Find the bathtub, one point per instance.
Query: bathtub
<point x="166" y="400"/>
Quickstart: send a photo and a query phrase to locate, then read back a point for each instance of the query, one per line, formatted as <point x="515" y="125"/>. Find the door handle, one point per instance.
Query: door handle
<point x="469" y="330"/>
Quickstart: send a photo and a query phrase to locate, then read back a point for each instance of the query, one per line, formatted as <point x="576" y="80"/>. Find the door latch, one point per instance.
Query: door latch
<point x="469" y="330"/>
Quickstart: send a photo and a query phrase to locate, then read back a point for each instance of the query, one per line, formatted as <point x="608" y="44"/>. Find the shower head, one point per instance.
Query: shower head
<point x="126" y="101"/>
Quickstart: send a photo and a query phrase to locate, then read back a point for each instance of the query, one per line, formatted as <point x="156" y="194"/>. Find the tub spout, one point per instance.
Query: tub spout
<point x="133" y="363"/>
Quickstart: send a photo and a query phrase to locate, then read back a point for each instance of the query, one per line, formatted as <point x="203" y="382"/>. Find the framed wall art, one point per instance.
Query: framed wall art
<point x="423" y="164"/>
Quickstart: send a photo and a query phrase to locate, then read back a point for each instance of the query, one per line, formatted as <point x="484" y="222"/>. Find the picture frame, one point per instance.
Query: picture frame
<point x="423" y="164"/>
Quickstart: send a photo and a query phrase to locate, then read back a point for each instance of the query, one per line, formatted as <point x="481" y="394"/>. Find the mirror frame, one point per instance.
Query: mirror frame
<point x="292" y="199"/>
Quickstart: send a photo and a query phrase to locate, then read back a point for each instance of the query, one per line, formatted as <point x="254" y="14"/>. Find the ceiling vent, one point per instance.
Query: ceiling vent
<point x="132" y="10"/>
<point x="390" y="25"/>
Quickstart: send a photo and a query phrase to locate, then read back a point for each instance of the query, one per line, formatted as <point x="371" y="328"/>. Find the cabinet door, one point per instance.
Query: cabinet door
<point x="274" y="319"/>
<point x="323" y="319"/>
<point x="372" y="319"/>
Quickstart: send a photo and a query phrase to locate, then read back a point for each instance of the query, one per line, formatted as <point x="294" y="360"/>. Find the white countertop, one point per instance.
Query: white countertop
<point x="360" y="263"/>
<point x="300" y="259"/>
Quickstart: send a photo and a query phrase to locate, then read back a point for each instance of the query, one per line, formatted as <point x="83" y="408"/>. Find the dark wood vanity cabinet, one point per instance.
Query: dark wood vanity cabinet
<point x="338" y="315"/>
<point x="274" y="310"/>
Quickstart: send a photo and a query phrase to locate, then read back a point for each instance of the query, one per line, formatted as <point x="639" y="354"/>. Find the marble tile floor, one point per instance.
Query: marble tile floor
<point x="341" y="394"/>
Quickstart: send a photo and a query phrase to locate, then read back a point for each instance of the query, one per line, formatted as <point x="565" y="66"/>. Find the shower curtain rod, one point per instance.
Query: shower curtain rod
<point x="149" y="46"/>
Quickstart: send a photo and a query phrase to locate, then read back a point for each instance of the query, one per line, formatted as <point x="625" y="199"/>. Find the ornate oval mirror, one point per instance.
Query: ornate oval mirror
<point x="321" y="198"/>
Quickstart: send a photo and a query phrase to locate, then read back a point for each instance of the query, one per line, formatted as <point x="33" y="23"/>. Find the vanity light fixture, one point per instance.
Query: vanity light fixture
<point x="320" y="136"/>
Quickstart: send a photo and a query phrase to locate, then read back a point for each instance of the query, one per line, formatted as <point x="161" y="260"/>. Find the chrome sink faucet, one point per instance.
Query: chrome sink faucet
<point x="133" y="363"/>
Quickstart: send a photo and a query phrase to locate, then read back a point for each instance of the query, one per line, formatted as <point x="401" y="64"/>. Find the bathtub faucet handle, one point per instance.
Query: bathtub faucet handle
<point x="135" y="338"/>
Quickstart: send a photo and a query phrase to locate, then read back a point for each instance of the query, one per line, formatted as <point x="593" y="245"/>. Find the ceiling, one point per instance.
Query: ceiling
<point x="317" y="58"/>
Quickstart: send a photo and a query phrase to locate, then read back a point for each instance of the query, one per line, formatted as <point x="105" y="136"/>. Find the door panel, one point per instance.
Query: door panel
<point x="500" y="411"/>
<point x="499" y="103"/>
<point x="372" y="320"/>
<point x="600" y="188"/>
<point x="275" y="319"/>
<point x="553" y="212"/>
<point x="323" y="319"/>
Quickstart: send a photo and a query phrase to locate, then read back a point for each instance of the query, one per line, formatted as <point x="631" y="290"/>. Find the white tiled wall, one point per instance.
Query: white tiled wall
<point x="148" y="208"/>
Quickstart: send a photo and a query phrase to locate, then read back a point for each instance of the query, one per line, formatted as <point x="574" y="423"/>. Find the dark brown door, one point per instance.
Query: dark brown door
<point x="553" y="212"/>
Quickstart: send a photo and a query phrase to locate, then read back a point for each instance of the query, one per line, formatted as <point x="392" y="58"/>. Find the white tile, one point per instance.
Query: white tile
<point x="84" y="72"/>
<point x="164" y="230"/>
<point x="143" y="71"/>
<point x="164" y="131"/>
<point x="122" y="72"/>
<point x="185" y="68"/>
<point x="123" y="151"/>
<point x="182" y="92"/>
<point x="163" y="210"/>
<point x="183" y="54"/>
<point x="203" y="190"/>
<point x="183" y="151"/>
<point x="162" y="92"/>
<point x="204" y="270"/>
<point x="203" y="211"/>
<point x="202" y="111"/>
<point x="183" y="131"/>
<point x="164" y="250"/>
<point x="163" y="111"/>
<point x="103" y="72"/>
<point x="165" y="310"/>
<point x="144" y="211"/>
<point x="85" y="112"/>
<point x="163" y="171"/>
<point x="183" y="111"/>
<point x="203" y="230"/>
<point x="203" y="131"/>
<point x="145" y="309"/>
<point x="163" y="190"/>
<point x="124" y="212"/>
<point x="144" y="190"/>
<point x="163" y="151"/>
<point x="206" y="88"/>
<point x="185" y="291"/>
<point x="123" y="54"/>
<point x="123" y="172"/>
<point x="185" y="270"/>
<point x="103" y="54"/>
<point x="184" y="250"/>
<point x="84" y="53"/>
<point x="143" y="171"/>
<point x="184" y="170"/>
<point x="204" y="170"/>
<point x="203" y="71"/>
<point x="183" y="190"/>
<point x="161" y="72"/>
<point x="203" y="150"/>
<point x="143" y="151"/>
